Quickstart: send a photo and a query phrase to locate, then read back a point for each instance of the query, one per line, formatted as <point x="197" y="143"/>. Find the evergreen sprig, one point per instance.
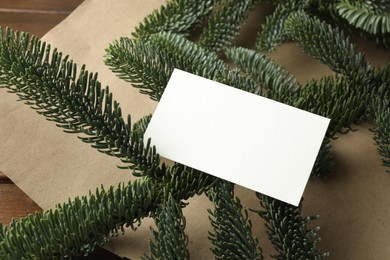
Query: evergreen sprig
<point x="324" y="163"/>
<point x="189" y="56"/>
<point x="330" y="46"/>
<point x="380" y="109"/>
<point x="336" y="98"/>
<point x="373" y="17"/>
<point x="273" y="33"/>
<point x="79" y="104"/>
<point x="179" y="16"/>
<point x="236" y="79"/>
<point x="140" y="126"/>
<point x="232" y="236"/>
<point x="225" y="24"/>
<point x="347" y="99"/>
<point x="75" y="100"/>
<point x="148" y="64"/>
<point x="78" y="226"/>
<point x="170" y="240"/>
<point x="275" y="81"/>
<point x="288" y="231"/>
<point x="137" y="62"/>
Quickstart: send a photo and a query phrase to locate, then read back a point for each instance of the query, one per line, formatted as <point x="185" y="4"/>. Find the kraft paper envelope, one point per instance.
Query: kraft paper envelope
<point x="51" y="166"/>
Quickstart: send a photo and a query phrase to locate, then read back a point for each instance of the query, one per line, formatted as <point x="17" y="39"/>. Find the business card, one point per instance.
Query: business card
<point x="249" y="140"/>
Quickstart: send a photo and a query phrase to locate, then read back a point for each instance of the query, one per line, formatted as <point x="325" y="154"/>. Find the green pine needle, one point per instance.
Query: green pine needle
<point x="324" y="163"/>
<point x="178" y="16"/>
<point x="225" y="24"/>
<point x="276" y="83"/>
<point x="273" y="33"/>
<point x="232" y="230"/>
<point x="372" y="17"/>
<point x="330" y="46"/>
<point x="380" y="109"/>
<point x="288" y="231"/>
<point x="75" y="100"/>
<point x="170" y="240"/>
<point x="78" y="226"/>
<point x="335" y="98"/>
<point x="148" y="64"/>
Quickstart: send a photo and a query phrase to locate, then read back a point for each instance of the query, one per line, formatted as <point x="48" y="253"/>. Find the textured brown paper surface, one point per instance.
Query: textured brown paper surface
<point x="51" y="166"/>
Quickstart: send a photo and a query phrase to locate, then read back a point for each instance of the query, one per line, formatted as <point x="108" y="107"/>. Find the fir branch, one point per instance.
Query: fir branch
<point x="288" y="232"/>
<point x="183" y="182"/>
<point x="140" y="126"/>
<point x="381" y="6"/>
<point x="136" y="61"/>
<point x="232" y="237"/>
<point x="225" y="24"/>
<point x="321" y="6"/>
<point x="178" y="16"/>
<point x="273" y="33"/>
<point x="78" y="226"/>
<point x="382" y="82"/>
<point x="324" y="162"/>
<point x="170" y="240"/>
<point x="192" y="58"/>
<point x="380" y="111"/>
<point x="335" y="98"/>
<point x="330" y="46"/>
<point x="189" y="56"/>
<point x="372" y="17"/>
<point x="235" y="79"/>
<point x="148" y="64"/>
<point x="3" y="232"/>
<point x="52" y="85"/>
<point x="275" y="81"/>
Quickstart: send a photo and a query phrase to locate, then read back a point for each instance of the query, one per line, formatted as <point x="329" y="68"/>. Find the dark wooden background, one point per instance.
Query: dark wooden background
<point x="36" y="17"/>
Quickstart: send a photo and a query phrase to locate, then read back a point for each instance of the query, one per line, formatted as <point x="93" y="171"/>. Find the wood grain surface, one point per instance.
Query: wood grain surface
<point x="41" y="5"/>
<point x="36" y="17"/>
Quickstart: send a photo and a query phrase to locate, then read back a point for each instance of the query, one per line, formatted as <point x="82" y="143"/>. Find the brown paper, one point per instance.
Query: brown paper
<point x="51" y="166"/>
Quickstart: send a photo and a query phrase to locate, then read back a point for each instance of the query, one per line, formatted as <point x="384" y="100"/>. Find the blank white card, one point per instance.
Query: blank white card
<point x="250" y="140"/>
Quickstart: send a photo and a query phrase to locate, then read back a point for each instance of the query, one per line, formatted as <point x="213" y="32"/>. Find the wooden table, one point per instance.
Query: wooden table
<point x="36" y="17"/>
